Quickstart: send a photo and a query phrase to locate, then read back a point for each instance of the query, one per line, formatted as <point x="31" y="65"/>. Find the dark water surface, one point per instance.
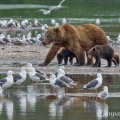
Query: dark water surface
<point x="40" y="103"/>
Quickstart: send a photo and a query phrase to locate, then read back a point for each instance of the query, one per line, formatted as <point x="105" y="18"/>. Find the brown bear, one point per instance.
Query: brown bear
<point x="75" y="38"/>
<point x="102" y="51"/>
<point x="64" y="54"/>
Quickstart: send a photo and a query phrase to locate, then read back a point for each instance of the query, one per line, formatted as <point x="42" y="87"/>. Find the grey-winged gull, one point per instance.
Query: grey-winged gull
<point x="61" y="76"/>
<point x="20" y="77"/>
<point x="29" y="66"/>
<point x="104" y="94"/>
<point x="57" y="83"/>
<point x="35" y="76"/>
<point x="7" y="81"/>
<point x="94" y="84"/>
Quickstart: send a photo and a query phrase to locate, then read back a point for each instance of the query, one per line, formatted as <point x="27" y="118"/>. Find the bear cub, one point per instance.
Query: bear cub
<point x="64" y="54"/>
<point x="102" y="51"/>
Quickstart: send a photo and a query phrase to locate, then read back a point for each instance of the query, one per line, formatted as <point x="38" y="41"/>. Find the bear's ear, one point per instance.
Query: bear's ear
<point x="94" y="49"/>
<point x="56" y="29"/>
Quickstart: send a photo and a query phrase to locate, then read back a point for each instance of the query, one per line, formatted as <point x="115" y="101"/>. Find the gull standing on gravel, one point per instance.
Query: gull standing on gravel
<point x="19" y="78"/>
<point x="104" y="94"/>
<point x="64" y="21"/>
<point x="94" y="84"/>
<point x="7" y="81"/>
<point x="37" y="24"/>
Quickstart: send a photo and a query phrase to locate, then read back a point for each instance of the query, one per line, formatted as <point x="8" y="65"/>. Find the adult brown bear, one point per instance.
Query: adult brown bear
<point x="75" y="38"/>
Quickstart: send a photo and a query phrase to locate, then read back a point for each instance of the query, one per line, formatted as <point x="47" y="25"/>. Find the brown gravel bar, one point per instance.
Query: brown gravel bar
<point x="13" y="57"/>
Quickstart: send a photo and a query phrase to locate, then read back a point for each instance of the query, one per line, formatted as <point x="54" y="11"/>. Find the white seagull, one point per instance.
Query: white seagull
<point x="64" y="21"/>
<point x="97" y="22"/>
<point x="57" y="83"/>
<point x="58" y="6"/>
<point x="7" y="81"/>
<point x="104" y="94"/>
<point x="61" y="76"/>
<point x="94" y="84"/>
<point x="20" y="77"/>
<point x="37" y="24"/>
<point x="46" y="12"/>
<point x="35" y="76"/>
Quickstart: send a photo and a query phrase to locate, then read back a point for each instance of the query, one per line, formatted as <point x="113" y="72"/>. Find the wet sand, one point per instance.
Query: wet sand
<point x="12" y="57"/>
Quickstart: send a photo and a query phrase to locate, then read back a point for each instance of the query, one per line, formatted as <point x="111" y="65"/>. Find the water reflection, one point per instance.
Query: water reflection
<point x="98" y="108"/>
<point x="58" y="106"/>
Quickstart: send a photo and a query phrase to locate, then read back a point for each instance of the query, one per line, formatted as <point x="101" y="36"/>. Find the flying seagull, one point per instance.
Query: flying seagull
<point x="58" y="6"/>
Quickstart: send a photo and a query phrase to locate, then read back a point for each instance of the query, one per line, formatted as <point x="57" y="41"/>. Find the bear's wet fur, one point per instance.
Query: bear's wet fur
<point x="102" y="51"/>
<point x="66" y="54"/>
<point x="77" y="39"/>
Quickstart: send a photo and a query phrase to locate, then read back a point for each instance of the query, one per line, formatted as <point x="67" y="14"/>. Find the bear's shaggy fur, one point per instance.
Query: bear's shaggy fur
<point x="102" y="51"/>
<point x="64" y="54"/>
<point x="75" y="38"/>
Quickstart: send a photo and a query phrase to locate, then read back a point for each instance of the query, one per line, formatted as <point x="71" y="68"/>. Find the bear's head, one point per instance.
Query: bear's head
<point x="92" y="52"/>
<point x="53" y="34"/>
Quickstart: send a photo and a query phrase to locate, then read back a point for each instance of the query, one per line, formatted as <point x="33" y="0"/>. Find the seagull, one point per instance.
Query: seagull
<point x="37" y="24"/>
<point x="20" y="77"/>
<point x="64" y="21"/>
<point x="7" y="81"/>
<point x="61" y="76"/>
<point x="25" y="23"/>
<point x="1" y="92"/>
<point x="29" y="66"/>
<point x="35" y="76"/>
<point x="3" y="23"/>
<point x="94" y="84"/>
<point x="57" y="83"/>
<point x="58" y="6"/>
<point x="62" y="68"/>
<point x="97" y="22"/>
<point x="3" y="39"/>
<point x="11" y="23"/>
<point x="53" y="22"/>
<point x="46" y="12"/>
<point x="104" y="94"/>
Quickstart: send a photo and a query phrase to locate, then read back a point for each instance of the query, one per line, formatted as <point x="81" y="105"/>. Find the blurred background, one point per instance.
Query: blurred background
<point x="75" y="11"/>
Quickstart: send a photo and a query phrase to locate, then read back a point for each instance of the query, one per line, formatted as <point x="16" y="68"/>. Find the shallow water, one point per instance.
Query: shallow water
<point x="41" y="103"/>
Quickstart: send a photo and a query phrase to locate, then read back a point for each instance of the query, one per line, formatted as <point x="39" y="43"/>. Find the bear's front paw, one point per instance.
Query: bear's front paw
<point x="42" y="64"/>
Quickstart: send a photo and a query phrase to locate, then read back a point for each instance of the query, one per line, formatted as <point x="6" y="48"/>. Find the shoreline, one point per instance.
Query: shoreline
<point x="13" y="57"/>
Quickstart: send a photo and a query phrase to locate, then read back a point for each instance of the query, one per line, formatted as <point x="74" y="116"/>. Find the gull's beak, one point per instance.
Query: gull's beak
<point x="64" y="68"/>
<point x="48" y="76"/>
<point x="54" y="69"/>
<point x="25" y="65"/>
<point x="27" y="69"/>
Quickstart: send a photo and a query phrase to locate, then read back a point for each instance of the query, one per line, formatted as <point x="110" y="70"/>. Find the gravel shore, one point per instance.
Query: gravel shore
<point x="12" y="57"/>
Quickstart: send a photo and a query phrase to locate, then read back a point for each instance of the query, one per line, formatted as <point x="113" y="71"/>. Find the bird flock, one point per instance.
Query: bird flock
<point x="27" y="39"/>
<point x="57" y="80"/>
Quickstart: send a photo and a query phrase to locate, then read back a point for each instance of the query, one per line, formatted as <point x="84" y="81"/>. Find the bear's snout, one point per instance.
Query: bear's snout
<point x="89" y="56"/>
